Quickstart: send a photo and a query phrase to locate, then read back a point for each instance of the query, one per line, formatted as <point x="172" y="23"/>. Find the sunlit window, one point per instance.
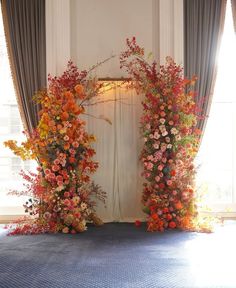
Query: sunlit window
<point x="217" y="157"/>
<point x="10" y="128"/>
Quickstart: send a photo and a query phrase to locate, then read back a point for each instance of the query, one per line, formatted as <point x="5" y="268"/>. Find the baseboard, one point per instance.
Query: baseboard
<point x="5" y="219"/>
<point x="219" y="214"/>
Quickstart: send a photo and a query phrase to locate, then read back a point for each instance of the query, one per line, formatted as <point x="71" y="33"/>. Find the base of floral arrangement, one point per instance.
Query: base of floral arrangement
<point x="33" y="225"/>
<point x="95" y="219"/>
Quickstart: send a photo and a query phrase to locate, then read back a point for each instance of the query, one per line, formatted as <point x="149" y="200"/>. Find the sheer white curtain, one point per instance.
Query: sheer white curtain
<point x="118" y="148"/>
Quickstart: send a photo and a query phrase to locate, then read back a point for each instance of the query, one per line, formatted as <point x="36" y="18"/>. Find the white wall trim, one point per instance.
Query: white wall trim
<point x="170" y="25"/>
<point x="57" y="35"/>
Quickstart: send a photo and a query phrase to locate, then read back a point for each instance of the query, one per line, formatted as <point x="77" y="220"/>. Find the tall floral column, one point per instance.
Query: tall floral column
<point x="60" y="193"/>
<point x="168" y="128"/>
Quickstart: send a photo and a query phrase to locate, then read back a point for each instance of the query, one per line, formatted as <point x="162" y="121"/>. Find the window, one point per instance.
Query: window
<point x="15" y="122"/>
<point x="217" y="156"/>
<point x="10" y="128"/>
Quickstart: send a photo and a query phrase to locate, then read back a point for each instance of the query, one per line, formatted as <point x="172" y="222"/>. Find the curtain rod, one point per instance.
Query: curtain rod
<point x="114" y="79"/>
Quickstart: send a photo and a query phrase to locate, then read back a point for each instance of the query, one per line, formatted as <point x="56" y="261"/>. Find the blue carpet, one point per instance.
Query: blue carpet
<point x="120" y="256"/>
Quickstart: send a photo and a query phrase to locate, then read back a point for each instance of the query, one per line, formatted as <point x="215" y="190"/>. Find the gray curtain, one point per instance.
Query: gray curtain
<point x="24" y="24"/>
<point x="203" y="27"/>
<point x="233" y="3"/>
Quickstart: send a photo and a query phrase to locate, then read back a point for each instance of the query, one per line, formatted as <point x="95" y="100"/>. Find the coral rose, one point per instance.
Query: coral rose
<point x="172" y="225"/>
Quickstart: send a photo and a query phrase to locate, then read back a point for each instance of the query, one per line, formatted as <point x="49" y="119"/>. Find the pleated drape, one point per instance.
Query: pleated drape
<point x="24" y="24"/>
<point x="118" y="148"/>
<point x="233" y="4"/>
<point x="203" y="27"/>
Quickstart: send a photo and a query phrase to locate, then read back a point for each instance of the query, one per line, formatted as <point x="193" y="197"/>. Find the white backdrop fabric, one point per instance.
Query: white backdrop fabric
<point x="118" y="149"/>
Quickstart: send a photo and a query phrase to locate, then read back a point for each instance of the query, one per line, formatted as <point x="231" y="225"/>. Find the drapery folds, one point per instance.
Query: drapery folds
<point x="233" y="3"/>
<point x="24" y="24"/>
<point x="203" y="27"/>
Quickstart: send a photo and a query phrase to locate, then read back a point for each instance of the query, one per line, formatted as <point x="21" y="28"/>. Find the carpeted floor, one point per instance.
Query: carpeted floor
<point x="120" y="256"/>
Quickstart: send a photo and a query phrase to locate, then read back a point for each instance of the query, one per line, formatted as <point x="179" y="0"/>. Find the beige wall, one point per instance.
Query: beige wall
<point x="100" y="28"/>
<point x="88" y="31"/>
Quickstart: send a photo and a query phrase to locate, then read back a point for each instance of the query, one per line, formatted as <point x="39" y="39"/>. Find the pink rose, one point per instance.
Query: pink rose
<point x="149" y="166"/>
<point x="156" y="135"/>
<point x="163" y="148"/>
<point x="160" y="167"/>
<point x="59" y="178"/>
<point x="72" y="151"/>
<point x="52" y="176"/>
<point x="149" y="157"/>
<point x="66" y="194"/>
<point x="164" y="160"/>
<point x="67" y="202"/>
<point x="47" y="171"/>
<point x="75" y="144"/>
<point x="147" y="175"/>
<point x="59" y="183"/>
<point x="169" y="182"/>
<point x="156" y="146"/>
<point x="65" y="230"/>
<point x="55" y="168"/>
<point x="185" y="195"/>
<point x="56" y="162"/>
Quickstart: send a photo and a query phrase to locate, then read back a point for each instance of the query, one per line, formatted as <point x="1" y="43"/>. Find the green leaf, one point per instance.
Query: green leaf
<point x="146" y="210"/>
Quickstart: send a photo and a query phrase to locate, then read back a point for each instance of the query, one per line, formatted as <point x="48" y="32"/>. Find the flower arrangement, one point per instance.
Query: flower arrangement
<point x="61" y="190"/>
<point x="171" y="139"/>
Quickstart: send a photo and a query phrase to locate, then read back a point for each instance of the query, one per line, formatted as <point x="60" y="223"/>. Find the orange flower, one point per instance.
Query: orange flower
<point x="79" y="89"/>
<point x="64" y="116"/>
<point x="72" y="160"/>
<point x="185" y="222"/>
<point x="155" y="216"/>
<point x="165" y="210"/>
<point x="172" y="172"/>
<point x="67" y="146"/>
<point x="178" y="205"/>
<point x="198" y="131"/>
<point x="69" y="95"/>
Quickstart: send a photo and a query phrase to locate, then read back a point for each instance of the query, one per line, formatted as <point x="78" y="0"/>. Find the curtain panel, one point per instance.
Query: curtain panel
<point x="24" y="24"/>
<point x="118" y="149"/>
<point x="233" y="4"/>
<point x="203" y="27"/>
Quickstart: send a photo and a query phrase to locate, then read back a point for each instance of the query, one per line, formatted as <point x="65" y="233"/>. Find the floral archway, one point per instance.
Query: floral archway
<point x="60" y="193"/>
